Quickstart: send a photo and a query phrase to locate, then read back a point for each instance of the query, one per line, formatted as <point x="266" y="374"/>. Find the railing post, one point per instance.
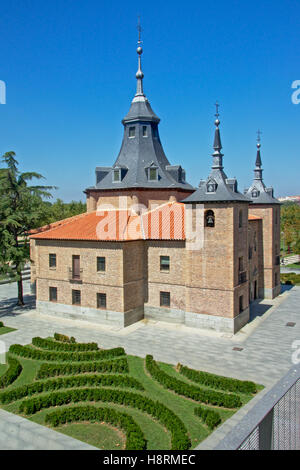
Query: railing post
<point x="266" y="432"/>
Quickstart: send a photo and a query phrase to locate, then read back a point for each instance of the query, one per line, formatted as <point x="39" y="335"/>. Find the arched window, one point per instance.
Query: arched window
<point x="209" y="218"/>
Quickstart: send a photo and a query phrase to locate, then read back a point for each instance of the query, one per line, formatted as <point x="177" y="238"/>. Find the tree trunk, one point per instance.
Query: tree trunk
<point x="20" y="289"/>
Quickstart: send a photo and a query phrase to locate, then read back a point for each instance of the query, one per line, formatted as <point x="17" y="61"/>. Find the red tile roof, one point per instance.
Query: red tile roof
<point x="254" y="217"/>
<point x="166" y="222"/>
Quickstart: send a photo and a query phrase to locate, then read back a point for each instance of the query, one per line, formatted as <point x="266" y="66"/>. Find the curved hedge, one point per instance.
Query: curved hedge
<point x="52" y="370"/>
<point x="64" y="338"/>
<point x="59" y="346"/>
<point x="68" y="382"/>
<point x="180" y="439"/>
<point x="217" y="381"/>
<point x="12" y="373"/>
<point x="190" y="391"/>
<point x="135" y="439"/>
<point x="31" y="353"/>
<point x="210" y="417"/>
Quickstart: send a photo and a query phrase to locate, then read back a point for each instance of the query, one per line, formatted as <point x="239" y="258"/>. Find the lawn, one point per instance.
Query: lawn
<point x="135" y="397"/>
<point x="6" y="329"/>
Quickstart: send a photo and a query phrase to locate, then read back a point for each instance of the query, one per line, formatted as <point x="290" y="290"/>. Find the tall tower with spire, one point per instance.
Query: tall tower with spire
<point x="217" y="271"/>
<point x="267" y="207"/>
<point x="141" y="171"/>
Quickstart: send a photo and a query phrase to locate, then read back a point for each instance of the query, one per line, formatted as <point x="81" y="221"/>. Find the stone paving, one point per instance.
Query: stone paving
<point x="266" y="340"/>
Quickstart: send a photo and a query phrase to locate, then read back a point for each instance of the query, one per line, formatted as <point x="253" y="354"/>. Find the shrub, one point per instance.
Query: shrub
<point x="210" y="417"/>
<point x="195" y="393"/>
<point x="63" y="338"/>
<point x="217" y="381"/>
<point x="31" y="353"/>
<point x="179" y="437"/>
<point x="12" y="373"/>
<point x="51" y="370"/>
<point x="59" y="346"/>
<point x="1" y="324"/>
<point x="96" y="380"/>
<point x="135" y="439"/>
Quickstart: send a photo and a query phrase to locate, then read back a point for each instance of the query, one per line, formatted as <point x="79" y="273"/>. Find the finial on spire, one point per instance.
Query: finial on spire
<point x="258" y="144"/>
<point x="217" y="155"/>
<point x="139" y="75"/>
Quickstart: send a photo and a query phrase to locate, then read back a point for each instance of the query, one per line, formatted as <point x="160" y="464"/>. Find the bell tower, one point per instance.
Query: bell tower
<point x="217" y="284"/>
<point x="267" y="207"/>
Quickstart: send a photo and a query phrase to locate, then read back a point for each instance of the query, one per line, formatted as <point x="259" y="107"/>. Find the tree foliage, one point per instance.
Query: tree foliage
<point x="290" y="225"/>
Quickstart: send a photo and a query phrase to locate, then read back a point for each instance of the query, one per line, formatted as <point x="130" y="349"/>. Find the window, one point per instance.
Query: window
<point x="76" y="297"/>
<point x="53" y="294"/>
<point x="241" y="264"/>
<point x="76" y="271"/>
<point x="165" y="263"/>
<point x="52" y="260"/>
<point x="241" y="302"/>
<point x="117" y="175"/>
<point x="101" y="300"/>
<point x="100" y="263"/>
<point x="240" y="219"/>
<point x="250" y="252"/>
<point x="131" y="132"/>
<point x="145" y="131"/>
<point x="165" y="299"/>
<point x="209" y="219"/>
<point x="152" y="174"/>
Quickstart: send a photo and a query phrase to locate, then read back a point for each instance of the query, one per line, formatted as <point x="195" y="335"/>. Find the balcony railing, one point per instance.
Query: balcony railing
<point x="75" y="275"/>
<point x="242" y="277"/>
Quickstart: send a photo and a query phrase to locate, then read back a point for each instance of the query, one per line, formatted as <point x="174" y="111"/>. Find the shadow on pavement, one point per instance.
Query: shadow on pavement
<point x="9" y="307"/>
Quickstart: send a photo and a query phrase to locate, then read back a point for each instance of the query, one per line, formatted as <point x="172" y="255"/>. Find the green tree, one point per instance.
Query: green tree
<point x="21" y="209"/>
<point x="290" y="223"/>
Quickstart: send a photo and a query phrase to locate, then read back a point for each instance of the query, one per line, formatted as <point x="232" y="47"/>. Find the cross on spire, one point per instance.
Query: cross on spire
<point x="139" y="28"/>
<point x="258" y="135"/>
<point x="217" y="109"/>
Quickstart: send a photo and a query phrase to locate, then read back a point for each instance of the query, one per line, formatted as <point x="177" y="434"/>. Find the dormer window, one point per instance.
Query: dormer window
<point x="211" y="186"/>
<point x="117" y="175"/>
<point x="255" y="193"/>
<point x="152" y="174"/>
<point x="145" y="134"/>
<point x="131" y="132"/>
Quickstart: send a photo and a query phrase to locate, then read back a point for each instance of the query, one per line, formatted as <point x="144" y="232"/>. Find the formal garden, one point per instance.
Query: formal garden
<point x="116" y="401"/>
<point x="5" y="329"/>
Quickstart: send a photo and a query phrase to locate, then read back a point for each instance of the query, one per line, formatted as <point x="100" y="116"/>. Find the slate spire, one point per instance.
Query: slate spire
<point x="139" y="74"/>
<point x="258" y="165"/>
<point x="217" y="155"/>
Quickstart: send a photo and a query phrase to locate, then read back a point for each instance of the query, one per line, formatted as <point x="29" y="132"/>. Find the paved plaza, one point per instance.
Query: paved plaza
<point x="266" y="342"/>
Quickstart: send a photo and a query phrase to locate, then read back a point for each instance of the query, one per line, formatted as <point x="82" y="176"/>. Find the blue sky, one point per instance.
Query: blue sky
<point x="69" y="68"/>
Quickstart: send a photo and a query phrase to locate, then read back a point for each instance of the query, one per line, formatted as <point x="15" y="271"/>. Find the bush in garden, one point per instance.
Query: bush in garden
<point x="195" y="393"/>
<point x="63" y="338"/>
<point x="103" y="380"/>
<point x="12" y="373"/>
<point x="217" y="381"/>
<point x="61" y="346"/>
<point x="51" y="370"/>
<point x="210" y="417"/>
<point x="135" y="439"/>
<point x="44" y="355"/>
<point x="179" y="436"/>
<point x="1" y="324"/>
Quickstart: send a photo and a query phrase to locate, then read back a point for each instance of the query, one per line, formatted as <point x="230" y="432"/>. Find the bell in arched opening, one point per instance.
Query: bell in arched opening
<point x="209" y="218"/>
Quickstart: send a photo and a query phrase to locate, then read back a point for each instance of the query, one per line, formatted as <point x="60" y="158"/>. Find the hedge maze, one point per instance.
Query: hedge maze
<point x="58" y="382"/>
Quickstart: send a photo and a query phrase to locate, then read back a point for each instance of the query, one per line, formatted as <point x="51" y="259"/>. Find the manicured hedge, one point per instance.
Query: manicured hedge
<point x="64" y="338"/>
<point x="52" y="370"/>
<point x="31" y="353"/>
<point x="12" y="373"/>
<point x="180" y="439"/>
<point x="58" y="346"/>
<point x="217" y="381"/>
<point x="1" y="324"/>
<point x="103" y="380"/>
<point x="135" y="439"/>
<point x="210" y="417"/>
<point x="182" y="388"/>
